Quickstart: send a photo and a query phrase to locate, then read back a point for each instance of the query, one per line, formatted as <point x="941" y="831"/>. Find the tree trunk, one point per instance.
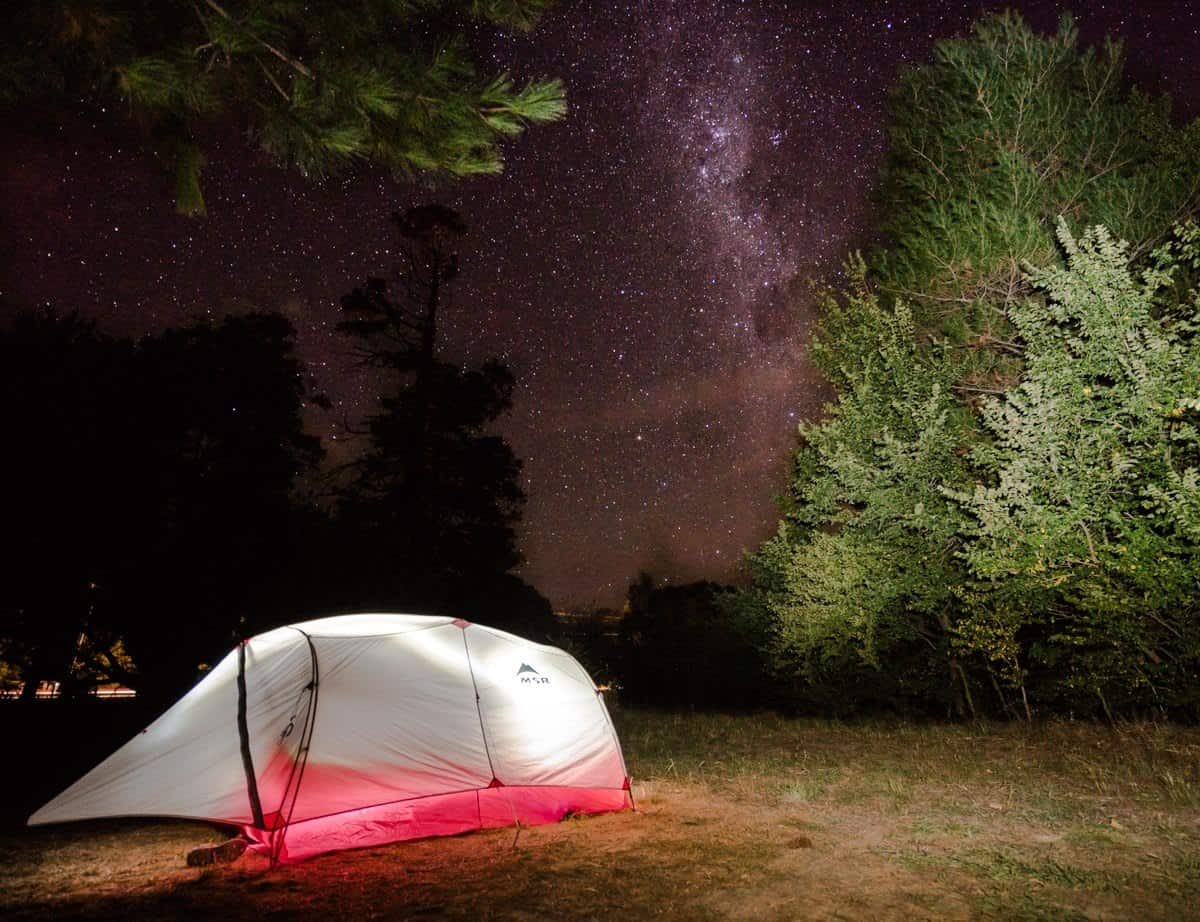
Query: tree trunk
<point x="960" y="688"/>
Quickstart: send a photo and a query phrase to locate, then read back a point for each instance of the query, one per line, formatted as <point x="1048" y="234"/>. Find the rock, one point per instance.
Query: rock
<point x="223" y="853"/>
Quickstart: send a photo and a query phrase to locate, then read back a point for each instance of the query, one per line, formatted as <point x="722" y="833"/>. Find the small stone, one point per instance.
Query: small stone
<point x="223" y="853"/>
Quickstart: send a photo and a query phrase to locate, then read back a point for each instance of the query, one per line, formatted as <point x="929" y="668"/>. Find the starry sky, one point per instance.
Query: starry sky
<point x="643" y="266"/>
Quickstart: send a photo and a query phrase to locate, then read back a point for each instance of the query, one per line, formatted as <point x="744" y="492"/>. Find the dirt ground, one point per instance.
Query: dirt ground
<point x="738" y="818"/>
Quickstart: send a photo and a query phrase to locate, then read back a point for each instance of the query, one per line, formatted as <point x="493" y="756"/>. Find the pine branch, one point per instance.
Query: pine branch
<point x="271" y="77"/>
<point x="298" y="66"/>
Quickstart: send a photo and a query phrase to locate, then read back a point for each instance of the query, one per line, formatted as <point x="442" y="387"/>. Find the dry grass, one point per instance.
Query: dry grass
<point x="739" y="817"/>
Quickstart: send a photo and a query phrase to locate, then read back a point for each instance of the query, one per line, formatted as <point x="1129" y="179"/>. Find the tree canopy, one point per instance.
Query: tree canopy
<point x="1083" y="538"/>
<point x="911" y="544"/>
<point x="318" y="86"/>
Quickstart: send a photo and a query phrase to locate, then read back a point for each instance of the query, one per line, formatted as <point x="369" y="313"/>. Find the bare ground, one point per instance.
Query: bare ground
<point x="738" y="817"/>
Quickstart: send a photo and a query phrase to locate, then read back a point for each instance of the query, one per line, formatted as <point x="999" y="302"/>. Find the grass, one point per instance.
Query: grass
<point x="757" y="817"/>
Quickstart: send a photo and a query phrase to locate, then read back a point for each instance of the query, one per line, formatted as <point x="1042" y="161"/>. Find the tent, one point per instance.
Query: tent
<point x="363" y="729"/>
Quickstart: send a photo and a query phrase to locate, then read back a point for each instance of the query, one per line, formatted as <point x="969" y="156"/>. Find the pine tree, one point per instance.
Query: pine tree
<point x="1003" y="132"/>
<point x="435" y="497"/>
<point x="320" y="86"/>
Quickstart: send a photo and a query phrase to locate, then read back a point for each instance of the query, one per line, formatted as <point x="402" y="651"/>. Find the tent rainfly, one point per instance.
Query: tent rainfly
<point x="363" y="729"/>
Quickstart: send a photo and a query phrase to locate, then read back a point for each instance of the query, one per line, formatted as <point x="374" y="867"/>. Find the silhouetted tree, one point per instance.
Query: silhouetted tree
<point x="226" y="442"/>
<point x="150" y="499"/>
<point x="435" y="497"/>
<point x="64" y="479"/>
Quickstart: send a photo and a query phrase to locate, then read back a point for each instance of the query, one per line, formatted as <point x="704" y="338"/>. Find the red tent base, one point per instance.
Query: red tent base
<point x="440" y="815"/>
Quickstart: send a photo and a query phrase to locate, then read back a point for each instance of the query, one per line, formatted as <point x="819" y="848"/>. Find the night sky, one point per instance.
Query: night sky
<point x="641" y="265"/>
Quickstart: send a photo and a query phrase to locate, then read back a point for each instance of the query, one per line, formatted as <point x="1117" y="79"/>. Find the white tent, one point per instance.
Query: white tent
<point x="363" y="729"/>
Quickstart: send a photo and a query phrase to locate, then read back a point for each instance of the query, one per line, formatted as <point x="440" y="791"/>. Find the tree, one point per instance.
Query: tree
<point x="1000" y="134"/>
<point x="223" y="445"/>
<point x="320" y="87"/>
<point x="678" y="649"/>
<point x="435" y="497"/>
<point x="989" y="143"/>
<point x="61" y="382"/>
<point x="864" y="565"/>
<point x="150" y="500"/>
<point x="1085" y="547"/>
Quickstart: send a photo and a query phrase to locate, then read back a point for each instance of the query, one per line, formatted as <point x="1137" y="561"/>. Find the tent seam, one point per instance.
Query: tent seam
<point x="479" y="708"/>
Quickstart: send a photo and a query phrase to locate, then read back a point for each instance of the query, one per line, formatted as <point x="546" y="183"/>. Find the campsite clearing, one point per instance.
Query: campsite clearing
<point x="738" y="817"/>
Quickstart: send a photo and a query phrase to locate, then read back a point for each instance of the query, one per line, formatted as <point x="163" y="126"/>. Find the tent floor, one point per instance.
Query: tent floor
<point x="440" y="815"/>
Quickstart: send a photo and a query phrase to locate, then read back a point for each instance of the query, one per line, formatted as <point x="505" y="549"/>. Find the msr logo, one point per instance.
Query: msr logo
<point x="530" y="676"/>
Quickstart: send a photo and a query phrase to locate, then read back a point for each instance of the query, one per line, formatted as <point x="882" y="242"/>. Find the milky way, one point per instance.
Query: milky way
<point x="642" y="266"/>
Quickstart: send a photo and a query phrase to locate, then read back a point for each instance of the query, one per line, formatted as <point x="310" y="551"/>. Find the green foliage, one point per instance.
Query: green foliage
<point x="998" y="497"/>
<point x="1085" y="533"/>
<point x="1003" y="132"/>
<point x="321" y="87"/>
<point x="865" y="563"/>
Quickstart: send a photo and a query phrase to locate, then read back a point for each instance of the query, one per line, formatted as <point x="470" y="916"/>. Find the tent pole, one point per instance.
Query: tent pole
<point x="478" y="709"/>
<point x="496" y="782"/>
<point x="244" y="739"/>
<point x="301" y="760"/>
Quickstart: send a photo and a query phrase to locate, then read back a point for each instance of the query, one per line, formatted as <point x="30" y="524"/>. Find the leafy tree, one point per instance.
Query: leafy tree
<point x="435" y="497"/>
<point x="1086" y="532"/>
<point x="318" y="86"/>
<point x="864" y="565"/>
<point x="1003" y="132"/>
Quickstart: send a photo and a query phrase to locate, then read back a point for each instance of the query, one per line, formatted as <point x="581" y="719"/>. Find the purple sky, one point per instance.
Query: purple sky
<point x="642" y="265"/>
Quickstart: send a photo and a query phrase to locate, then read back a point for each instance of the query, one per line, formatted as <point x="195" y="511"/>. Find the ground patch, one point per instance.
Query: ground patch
<point x="738" y="817"/>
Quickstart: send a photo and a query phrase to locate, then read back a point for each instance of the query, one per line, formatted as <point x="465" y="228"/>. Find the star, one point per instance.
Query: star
<point x="641" y="266"/>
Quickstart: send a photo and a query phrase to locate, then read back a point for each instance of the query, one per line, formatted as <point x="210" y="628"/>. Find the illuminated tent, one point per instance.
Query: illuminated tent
<point x="363" y="729"/>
